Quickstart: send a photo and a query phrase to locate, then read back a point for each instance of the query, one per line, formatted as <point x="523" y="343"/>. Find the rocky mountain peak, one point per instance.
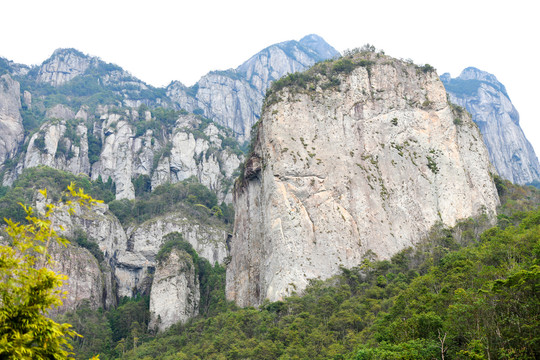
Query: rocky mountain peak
<point x="472" y="73"/>
<point x="234" y="97"/>
<point x="358" y="156"/>
<point x="489" y="104"/>
<point x="64" y="65"/>
<point x="320" y="46"/>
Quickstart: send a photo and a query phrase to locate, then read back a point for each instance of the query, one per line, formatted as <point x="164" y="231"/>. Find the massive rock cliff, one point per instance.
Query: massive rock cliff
<point x="234" y="97"/>
<point x="175" y="293"/>
<point x="11" y="127"/>
<point x="116" y="146"/>
<point x="491" y="109"/>
<point x="135" y="264"/>
<point x="78" y="74"/>
<point x="358" y="156"/>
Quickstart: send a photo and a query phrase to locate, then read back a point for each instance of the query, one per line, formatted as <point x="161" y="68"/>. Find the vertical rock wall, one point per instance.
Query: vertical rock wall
<point x="369" y="165"/>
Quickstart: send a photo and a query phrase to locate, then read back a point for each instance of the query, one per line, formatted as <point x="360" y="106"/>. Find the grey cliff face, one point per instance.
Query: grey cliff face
<point x="63" y="66"/>
<point x="129" y="255"/>
<point x="11" y="128"/>
<point x="124" y="155"/>
<point x="491" y="109"/>
<point x="234" y="97"/>
<point x="134" y="263"/>
<point x="85" y="281"/>
<point x="336" y="174"/>
<point x="90" y="280"/>
<point x="175" y="293"/>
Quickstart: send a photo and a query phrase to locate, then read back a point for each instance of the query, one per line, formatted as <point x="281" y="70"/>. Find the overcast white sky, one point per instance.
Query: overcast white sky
<point x="163" y="40"/>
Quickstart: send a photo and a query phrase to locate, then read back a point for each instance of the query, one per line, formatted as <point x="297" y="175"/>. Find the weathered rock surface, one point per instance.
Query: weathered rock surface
<point x="129" y="257"/>
<point x="52" y="147"/>
<point x="11" y="128"/>
<point x="175" y="293"/>
<point x="64" y="65"/>
<point x="491" y="109"/>
<point x="99" y="226"/>
<point x="134" y="265"/>
<point x="85" y="281"/>
<point x="182" y="152"/>
<point x="367" y="167"/>
<point x="234" y="97"/>
<point x="208" y="241"/>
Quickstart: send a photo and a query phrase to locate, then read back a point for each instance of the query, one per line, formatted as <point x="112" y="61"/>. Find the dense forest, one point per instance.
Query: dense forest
<point x="469" y="292"/>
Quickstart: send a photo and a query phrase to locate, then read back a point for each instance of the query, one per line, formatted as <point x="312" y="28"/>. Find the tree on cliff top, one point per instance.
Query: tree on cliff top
<point x="29" y="289"/>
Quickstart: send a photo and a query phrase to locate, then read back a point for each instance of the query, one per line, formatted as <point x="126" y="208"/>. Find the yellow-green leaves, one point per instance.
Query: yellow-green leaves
<point x="29" y="289"/>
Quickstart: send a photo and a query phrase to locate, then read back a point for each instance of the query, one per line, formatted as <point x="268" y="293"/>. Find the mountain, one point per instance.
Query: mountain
<point x="77" y="113"/>
<point x="234" y="97"/>
<point x="355" y="158"/>
<point x="74" y="74"/>
<point x="491" y="109"/>
<point x="124" y="145"/>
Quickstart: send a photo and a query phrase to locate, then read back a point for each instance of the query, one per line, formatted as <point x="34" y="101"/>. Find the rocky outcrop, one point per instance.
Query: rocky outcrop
<point x="224" y="96"/>
<point x="189" y="149"/>
<point x="57" y="147"/>
<point x="63" y="66"/>
<point x="234" y="97"/>
<point x="288" y="57"/>
<point x="362" y="156"/>
<point x="95" y="75"/>
<point x="208" y="241"/>
<point x="134" y="265"/>
<point x="85" y="280"/>
<point x="90" y="280"/>
<point x="491" y="109"/>
<point x="175" y="291"/>
<point x="128" y="256"/>
<point x="11" y="126"/>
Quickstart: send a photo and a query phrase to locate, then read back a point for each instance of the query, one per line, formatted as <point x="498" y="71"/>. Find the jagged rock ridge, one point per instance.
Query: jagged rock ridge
<point x="491" y="109"/>
<point x="359" y="156"/>
<point x="125" y="152"/>
<point x="127" y="263"/>
<point x="234" y="97"/>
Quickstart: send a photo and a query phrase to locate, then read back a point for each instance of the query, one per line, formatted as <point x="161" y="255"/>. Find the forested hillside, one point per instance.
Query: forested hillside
<point x="470" y="292"/>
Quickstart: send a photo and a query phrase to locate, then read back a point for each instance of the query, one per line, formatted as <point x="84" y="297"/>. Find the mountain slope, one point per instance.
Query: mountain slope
<point x="353" y="157"/>
<point x="234" y="97"/>
<point x="491" y="109"/>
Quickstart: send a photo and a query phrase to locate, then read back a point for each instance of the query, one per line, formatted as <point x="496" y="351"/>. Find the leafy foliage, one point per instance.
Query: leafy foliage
<point x="460" y="294"/>
<point x="41" y="177"/>
<point x="29" y="289"/>
<point x="95" y="331"/>
<point x="188" y="195"/>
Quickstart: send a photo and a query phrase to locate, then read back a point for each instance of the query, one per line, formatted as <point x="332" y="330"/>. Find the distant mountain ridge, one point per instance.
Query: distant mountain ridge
<point x="489" y="104"/>
<point x="234" y="97"/>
